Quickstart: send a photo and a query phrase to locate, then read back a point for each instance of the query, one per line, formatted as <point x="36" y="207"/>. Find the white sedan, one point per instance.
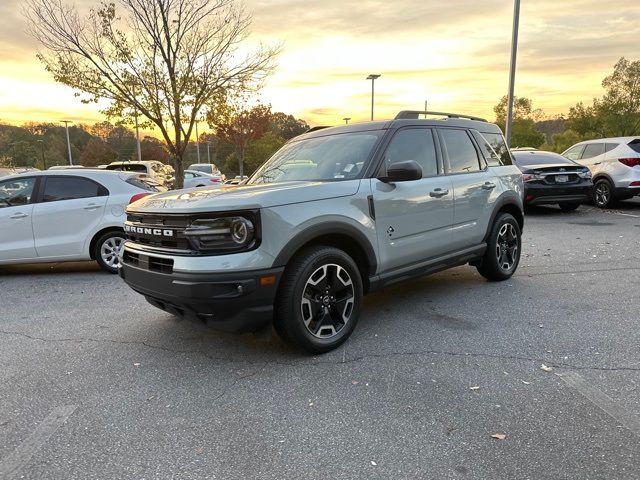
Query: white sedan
<point x="66" y="215"/>
<point x="195" y="178"/>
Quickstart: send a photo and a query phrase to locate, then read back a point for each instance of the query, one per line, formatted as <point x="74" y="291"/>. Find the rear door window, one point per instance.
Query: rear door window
<point x="592" y="150"/>
<point x="70" y="188"/>
<point x="459" y="149"/>
<point x="635" y="145"/>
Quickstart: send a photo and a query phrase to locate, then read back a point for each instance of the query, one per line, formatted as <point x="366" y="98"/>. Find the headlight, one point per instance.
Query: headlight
<point x="222" y="235"/>
<point x="586" y="174"/>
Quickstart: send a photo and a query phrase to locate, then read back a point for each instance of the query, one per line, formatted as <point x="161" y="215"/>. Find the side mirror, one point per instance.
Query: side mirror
<point x="404" y="171"/>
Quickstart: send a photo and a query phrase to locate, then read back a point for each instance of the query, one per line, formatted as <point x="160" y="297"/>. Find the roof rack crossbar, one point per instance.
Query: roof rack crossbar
<point x="415" y="114"/>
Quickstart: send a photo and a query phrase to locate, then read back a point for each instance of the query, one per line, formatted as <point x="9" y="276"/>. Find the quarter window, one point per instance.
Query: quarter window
<point x="17" y="191"/>
<point x="593" y="150"/>
<point x="462" y="155"/>
<point x="70" y="188"/>
<point x="609" y="146"/>
<point x="413" y="144"/>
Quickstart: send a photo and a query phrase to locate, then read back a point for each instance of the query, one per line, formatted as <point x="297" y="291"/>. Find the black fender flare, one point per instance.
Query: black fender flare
<point x="507" y="198"/>
<point x="319" y="230"/>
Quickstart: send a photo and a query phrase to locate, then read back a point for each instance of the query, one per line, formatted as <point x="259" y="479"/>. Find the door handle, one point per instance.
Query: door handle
<point x="92" y="206"/>
<point x="489" y="185"/>
<point x="438" y="192"/>
<point x="19" y="215"/>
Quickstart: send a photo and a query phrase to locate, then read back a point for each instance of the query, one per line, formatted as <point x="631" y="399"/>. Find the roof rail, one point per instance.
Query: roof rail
<point x="313" y="129"/>
<point x="415" y="114"/>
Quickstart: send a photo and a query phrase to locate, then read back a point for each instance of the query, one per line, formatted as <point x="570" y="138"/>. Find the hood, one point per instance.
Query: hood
<point x="242" y="197"/>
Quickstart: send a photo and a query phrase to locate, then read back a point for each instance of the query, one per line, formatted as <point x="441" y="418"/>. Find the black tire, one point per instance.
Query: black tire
<point x="302" y="306"/>
<point x="603" y="194"/>
<point x="500" y="252"/>
<point x="104" y="250"/>
<point x="568" y="206"/>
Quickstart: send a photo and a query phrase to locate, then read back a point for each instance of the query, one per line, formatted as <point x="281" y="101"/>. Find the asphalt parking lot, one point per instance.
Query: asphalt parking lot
<point x="96" y="383"/>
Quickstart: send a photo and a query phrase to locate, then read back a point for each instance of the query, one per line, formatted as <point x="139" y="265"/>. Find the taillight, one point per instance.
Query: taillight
<point x="530" y="177"/>
<point x="215" y="180"/>
<point x="630" y="162"/>
<point x="137" y="197"/>
<point x="634" y="184"/>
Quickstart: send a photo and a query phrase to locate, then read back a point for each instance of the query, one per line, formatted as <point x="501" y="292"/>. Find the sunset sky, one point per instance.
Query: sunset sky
<point x="455" y="54"/>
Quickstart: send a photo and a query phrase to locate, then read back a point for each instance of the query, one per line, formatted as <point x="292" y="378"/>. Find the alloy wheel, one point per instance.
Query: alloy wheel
<point x="110" y="250"/>
<point x="602" y="194"/>
<point x="327" y="301"/>
<point x="507" y="247"/>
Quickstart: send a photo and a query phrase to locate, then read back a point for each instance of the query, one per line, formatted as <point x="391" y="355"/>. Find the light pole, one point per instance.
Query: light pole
<point x="346" y="120"/>
<point x="138" y="138"/>
<point x="426" y="109"/>
<point x="197" y="142"/>
<point x="44" y="162"/>
<point x="373" y="77"/>
<point x="66" y="126"/>
<point x="512" y="70"/>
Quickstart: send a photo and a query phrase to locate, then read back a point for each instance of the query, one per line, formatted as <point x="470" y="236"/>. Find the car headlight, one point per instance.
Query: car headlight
<point x="223" y="234"/>
<point x="585" y="174"/>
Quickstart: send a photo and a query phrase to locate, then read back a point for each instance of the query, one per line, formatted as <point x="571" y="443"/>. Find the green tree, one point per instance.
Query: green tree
<point x="287" y="126"/>
<point x="562" y="141"/>
<point x="161" y="59"/>
<point x="524" y="132"/>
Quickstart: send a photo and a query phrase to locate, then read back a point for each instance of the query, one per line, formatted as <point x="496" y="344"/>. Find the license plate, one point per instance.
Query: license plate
<point x="562" y="178"/>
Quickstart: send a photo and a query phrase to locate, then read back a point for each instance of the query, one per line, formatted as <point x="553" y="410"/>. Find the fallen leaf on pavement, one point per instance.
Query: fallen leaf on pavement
<point x="474" y="388"/>
<point x="354" y="382"/>
<point x="499" y="436"/>
<point x="545" y="368"/>
<point x="373" y="463"/>
<point x="136" y="364"/>
<point x="526" y="383"/>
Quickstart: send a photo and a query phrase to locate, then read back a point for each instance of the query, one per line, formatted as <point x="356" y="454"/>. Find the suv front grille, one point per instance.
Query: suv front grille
<point x="148" y="262"/>
<point x="153" y="231"/>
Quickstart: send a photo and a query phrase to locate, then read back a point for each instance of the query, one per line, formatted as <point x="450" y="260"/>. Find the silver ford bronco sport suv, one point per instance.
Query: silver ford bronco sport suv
<point x="333" y="215"/>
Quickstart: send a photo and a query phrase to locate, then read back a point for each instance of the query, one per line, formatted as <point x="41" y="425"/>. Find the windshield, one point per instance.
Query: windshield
<point x="332" y="157"/>
<point x="536" y="158"/>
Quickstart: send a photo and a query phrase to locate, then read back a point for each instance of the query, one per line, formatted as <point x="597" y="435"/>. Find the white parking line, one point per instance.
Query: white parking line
<point x="627" y="419"/>
<point x="11" y="465"/>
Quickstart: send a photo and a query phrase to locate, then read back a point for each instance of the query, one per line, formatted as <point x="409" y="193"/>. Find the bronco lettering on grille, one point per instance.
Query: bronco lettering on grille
<point x="159" y="232"/>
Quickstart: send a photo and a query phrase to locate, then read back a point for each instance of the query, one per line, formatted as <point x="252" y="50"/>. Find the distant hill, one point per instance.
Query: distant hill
<point x="551" y="127"/>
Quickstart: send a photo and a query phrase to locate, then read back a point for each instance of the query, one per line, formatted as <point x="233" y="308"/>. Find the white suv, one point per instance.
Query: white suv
<point x="156" y="171"/>
<point x="615" y="165"/>
<point x="66" y="215"/>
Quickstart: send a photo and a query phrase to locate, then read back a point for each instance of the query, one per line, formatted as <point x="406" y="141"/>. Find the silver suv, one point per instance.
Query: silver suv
<point x="335" y="214"/>
<point x="614" y="164"/>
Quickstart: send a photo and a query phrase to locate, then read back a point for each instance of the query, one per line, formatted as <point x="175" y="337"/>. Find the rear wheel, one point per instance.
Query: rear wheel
<point x="603" y="193"/>
<point x="106" y="250"/>
<point x="568" y="206"/>
<point x="502" y="257"/>
<point x="319" y="300"/>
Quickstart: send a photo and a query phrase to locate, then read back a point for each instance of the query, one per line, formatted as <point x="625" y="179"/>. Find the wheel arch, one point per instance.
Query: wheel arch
<point x="605" y="176"/>
<point x="507" y="205"/>
<point x="98" y="234"/>
<point x="342" y="236"/>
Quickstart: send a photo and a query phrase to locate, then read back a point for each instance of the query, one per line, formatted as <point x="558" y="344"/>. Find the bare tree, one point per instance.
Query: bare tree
<point x="166" y="59"/>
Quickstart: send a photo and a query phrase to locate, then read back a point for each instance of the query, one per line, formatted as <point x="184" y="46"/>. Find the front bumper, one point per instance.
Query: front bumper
<point x="232" y="302"/>
<point x="539" y="194"/>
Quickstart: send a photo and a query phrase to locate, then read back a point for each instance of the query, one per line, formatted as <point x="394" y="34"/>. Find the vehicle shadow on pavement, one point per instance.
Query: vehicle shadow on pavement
<point x="46" y="268"/>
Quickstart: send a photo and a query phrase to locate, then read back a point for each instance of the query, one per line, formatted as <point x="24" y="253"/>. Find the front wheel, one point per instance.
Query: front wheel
<point x="106" y="251"/>
<point x="319" y="299"/>
<point x="502" y="257"/>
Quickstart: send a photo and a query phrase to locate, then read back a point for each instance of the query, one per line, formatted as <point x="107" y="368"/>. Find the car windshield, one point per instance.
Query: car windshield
<point x="529" y="158"/>
<point x="332" y="157"/>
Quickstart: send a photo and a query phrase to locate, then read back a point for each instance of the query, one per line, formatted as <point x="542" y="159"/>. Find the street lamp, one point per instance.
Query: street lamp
<point x="66" y="126"/>
<point x="197" y="142"/>
<point x="373" y="77"/>
<point x="512" y="70"/>
<point x="346" y="120"/>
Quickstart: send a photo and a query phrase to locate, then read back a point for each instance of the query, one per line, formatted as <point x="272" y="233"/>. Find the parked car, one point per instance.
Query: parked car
<point x="334" y="214"/>
<point x="5" y="171"/>
<point x="66" y="215"/>
<point x="155" y="170"/>
<point x="209" y="168"/>
<point x="66" y="167"/>
<point x="615" y="165"/>
<point x="194" y="178"/>
<point x="237" y="180"/>
<point x="550" y="178"/>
